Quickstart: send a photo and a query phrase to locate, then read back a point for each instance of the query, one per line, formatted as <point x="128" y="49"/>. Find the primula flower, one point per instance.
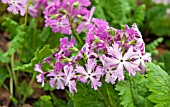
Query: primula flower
<point x="70" y="78"/>
<point x="16" y="6"/>
<point x="93" y="73"/>
<point x="65" y="44"/>
<point x="122" y="61"/>
<point x="87" y="21"/>
<point x="39" y="77"/>
<point x="58" y="79"/>
<point x="62" y="26"/>
<point x="140" y="60"/>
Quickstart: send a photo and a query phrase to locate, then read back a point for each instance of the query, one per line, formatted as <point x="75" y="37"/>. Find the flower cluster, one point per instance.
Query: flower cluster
<point x="60" y="15"/>
<point x="16" y="6"/>
<point x="107" y="53"/>
<point x="35" y="5"/>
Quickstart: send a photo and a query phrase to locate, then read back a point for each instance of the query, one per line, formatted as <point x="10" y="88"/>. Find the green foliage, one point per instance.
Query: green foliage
<point x="159" y="85"/>
<point x="3" y="75"/>
<point x="23" y="88"/>
<point x="11" y="27"/>
<point x="17" y="42"/>
<point x="4" y="59"/>
<point x="119" y="12"/>
<point x="39" y="56"/>
<point x="87" y="97"/>
<point x="44" y="101"/>
<point x="165" y="58"/>
<point x="158" y="21"/>
<point x="152" y="46"/>
<point x="133" y="92"/>
<point x="36" y="39"/>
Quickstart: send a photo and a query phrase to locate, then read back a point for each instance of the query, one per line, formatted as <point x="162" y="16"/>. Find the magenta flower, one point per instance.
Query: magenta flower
<point x="65" y="44"/>
<point x="93" y="73"/>
<point x="87" y="21"/>
<point x="70" y="78"/>
<point x="16" y="6"/>
<point x="39" y="77"/>
<point x="58" y="79"/>
<point x="62" y="26"/>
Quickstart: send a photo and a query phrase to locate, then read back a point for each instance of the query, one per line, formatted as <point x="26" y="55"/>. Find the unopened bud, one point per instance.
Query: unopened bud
<point x="132" y="42"/>
<point x="63" y="11"/>
<point x="74" y="49"/>
<point x="54" y="16"/>
<point x="76" y="4"/>
<point x="65" y="59"/>
<point x="80" y="17"/>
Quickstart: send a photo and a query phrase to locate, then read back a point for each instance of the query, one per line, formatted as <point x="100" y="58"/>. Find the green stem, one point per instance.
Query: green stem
<point x="75" y="34"/>
<point x="108" y="104"/>
<point x="11" y="80"/>
<point x="30" y="85"/>
<point x="13" y="73"/>
<point x="108" y="94"/>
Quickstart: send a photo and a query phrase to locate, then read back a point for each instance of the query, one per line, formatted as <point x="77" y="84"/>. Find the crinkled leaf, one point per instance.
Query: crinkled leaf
<point x="3" y="75"/>
<point x="4" y="59"/>
<point x="159" y="85"/>
<point x="17" y="42"/>
<point x="11" y="27"/>
<point x="39" y="56"/>
<point x="44" y="101"/>
<point x="133" y="92"/>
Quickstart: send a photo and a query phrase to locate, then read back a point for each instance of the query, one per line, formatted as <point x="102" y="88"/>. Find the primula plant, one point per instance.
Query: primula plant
<point x="96" y="64"/>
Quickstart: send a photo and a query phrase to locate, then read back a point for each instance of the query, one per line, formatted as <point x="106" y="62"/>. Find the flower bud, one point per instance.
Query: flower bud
<point x="63" y="11"/>
<point x="132" y="42"/>
<point x="54" y="16"/>
<point x="76" y="4"/>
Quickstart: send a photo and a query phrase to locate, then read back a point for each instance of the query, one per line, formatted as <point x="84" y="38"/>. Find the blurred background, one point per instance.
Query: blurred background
<point x="151" y="16"/>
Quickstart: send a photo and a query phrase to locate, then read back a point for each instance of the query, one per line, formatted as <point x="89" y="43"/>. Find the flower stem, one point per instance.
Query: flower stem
<point x="75" y="34"/>
<point x="30" y="85"/>
<point x="108" y="104"/>
<point x="13" y="73"/>
<point x="11" y="80"/>
<point x="108" y="94"/>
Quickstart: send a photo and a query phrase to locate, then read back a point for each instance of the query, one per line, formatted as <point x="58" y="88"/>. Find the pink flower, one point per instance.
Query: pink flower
<point x="122" y="61"/>
<point x="92" y="73"/>
<point x="58" y="79"/>
<point x="16" y="6"/>
<point x="39" y="77"/>
<point x="62" y="26"/>
<point x="70" y="78"/>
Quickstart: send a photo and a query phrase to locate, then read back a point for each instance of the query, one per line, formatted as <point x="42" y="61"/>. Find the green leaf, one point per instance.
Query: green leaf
<point x="17" y="42"/>
<point x="133" y="92"/>
<point x="4" y="59"/>
<point x="125" y="93"/>
<point x="23" y="89"/>
<point x="58" y="102"/>
<point x="39" y="56"/>
<point x="3" y="75"/>
<point x="87" y="97"/>
<point x="10" y="27"/>
<point x="165" y="58"/>
<point x="44" y="101"/>
<point x="159" y="85"/>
